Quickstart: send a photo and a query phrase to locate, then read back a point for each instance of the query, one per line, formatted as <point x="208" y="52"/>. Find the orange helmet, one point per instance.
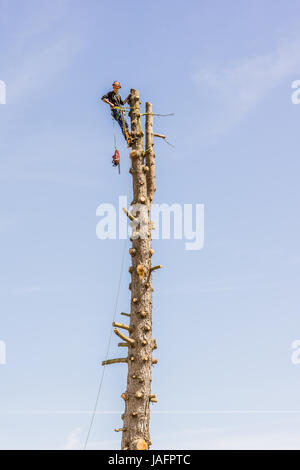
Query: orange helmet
<point x="118" y="84"/>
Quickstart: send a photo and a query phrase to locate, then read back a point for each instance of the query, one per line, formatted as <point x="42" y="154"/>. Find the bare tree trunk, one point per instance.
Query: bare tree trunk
<point x="138" y="338"/>
<point x="136" y="434"/>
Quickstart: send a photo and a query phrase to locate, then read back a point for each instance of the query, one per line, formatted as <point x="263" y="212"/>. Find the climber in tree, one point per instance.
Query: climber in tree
<point x="115" y="102"/>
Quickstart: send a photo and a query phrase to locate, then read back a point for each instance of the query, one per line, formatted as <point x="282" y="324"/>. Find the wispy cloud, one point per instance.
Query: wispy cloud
<point x="30" y="290"/>
<point x="39" y="68"/>
<point x="237" y="88"/>
<point x="40" y="48"/>
<point x="73" y="440"/>
<point x="84" y="181"/>
<point x="6" y="223"/>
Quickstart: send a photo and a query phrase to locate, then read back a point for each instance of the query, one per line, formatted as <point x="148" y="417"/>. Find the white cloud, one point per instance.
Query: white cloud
<point x="237" y="88"/>
<point x="73" y="440"/>
<point x="38" y="70"/>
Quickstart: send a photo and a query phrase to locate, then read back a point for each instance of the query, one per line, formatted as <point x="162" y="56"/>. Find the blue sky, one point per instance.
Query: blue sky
<point x="224" y="317"/>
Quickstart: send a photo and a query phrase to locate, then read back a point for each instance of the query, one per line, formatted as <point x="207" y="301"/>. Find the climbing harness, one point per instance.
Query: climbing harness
<point x="116" y="155"/>
<point x="125" y="129"/>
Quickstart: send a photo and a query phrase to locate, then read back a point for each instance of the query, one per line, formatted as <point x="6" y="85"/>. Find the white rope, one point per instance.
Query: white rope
<point x="110" y="336"/>
<point x="107" y="351"/>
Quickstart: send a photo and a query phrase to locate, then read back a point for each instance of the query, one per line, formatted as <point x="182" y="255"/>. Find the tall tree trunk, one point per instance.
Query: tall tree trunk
<point x="137" y="397"/>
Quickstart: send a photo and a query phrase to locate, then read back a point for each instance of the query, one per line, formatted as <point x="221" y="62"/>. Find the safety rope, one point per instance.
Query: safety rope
<point x="114" y="133"/>
<point x="123" y="111"/>
<point x="113" y="319"/>
<point x="107" y="351"/>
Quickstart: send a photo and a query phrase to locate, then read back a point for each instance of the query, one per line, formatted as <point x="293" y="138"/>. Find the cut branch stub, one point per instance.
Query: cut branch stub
<point x="159" y="266"/>
<point x="121" y="325"/>
<point x="133" y="154"/>
<point x="129" y="215"/>
<point x="159" y="135"/>
<point x="140" y="444"/>
<point x="135" y="235"/>
<point x="114" y="361"/>
<point x="132" y="251"/>
<point x="141" y="271"/>
<point x="125" y="338"/>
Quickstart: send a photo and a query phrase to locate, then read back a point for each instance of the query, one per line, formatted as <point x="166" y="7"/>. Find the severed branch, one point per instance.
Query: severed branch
<point x="115" y="361"/>
<point x="126" y="314"/>
<point x="159" y="135"/>
<point x="159" y="266"/>
<point x="125" y="338"/>
<point x="129" y="215"/>
<point x="121" y="325"/>
<point x="163" y="137"/>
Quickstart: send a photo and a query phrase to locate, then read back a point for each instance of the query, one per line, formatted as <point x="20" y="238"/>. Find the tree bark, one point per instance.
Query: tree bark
<point x="150" y="156"/>
<point x="136" y="418"/>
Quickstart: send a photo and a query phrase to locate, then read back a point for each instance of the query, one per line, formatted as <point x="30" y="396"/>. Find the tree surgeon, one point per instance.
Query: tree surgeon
<point x="115" y="102"/>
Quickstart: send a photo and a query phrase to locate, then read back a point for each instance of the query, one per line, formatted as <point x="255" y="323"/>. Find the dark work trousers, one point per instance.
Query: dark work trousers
<point x="119" y="117"/>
